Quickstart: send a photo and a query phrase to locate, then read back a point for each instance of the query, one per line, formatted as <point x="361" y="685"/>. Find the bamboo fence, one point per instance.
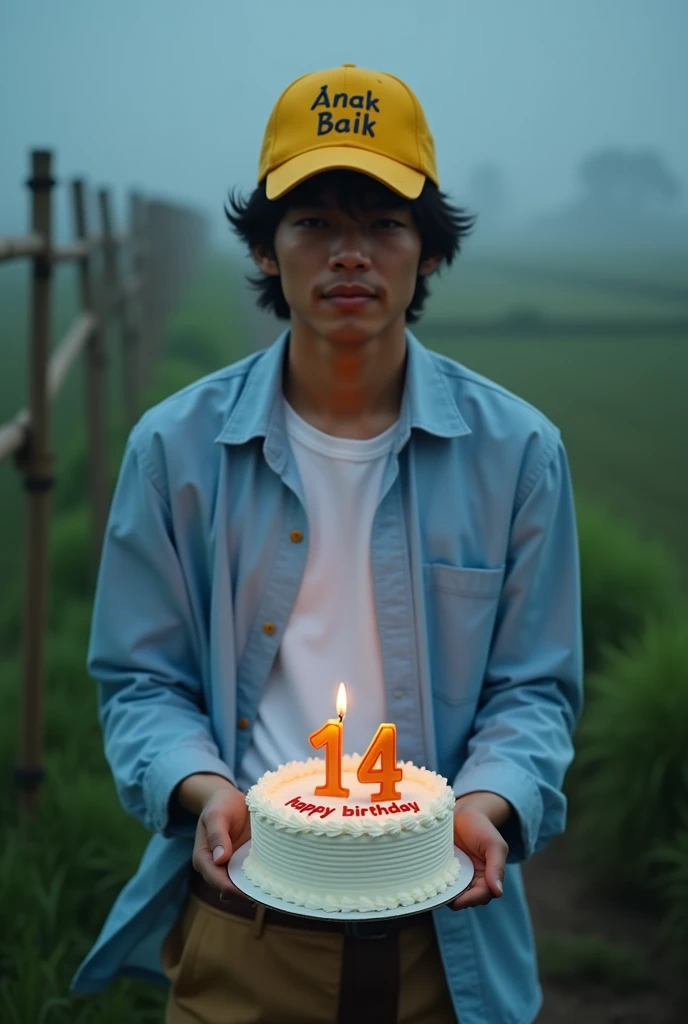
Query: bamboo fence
<point x="131" y="281"/>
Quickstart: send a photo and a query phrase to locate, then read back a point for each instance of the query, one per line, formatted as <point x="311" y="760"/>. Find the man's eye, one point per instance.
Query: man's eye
<point x="388" y="222"/>
<point x="311" y="222"/>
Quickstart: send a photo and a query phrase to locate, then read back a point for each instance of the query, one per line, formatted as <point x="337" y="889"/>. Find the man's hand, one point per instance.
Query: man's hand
<point x="223" y="826"/>
<point x="477" y="817"/>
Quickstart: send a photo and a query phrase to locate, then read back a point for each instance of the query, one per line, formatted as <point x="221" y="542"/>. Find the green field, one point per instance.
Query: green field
<point x="550" y="284"/>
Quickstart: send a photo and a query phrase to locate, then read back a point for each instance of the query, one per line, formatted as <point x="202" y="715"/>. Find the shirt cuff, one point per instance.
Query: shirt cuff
<point x="521" y="829"/>
<point x="164" y="774"/>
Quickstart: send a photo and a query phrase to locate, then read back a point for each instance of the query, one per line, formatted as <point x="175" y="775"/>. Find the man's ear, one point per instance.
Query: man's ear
<point x="429" y="266"/>
<point x="264" y="258"/>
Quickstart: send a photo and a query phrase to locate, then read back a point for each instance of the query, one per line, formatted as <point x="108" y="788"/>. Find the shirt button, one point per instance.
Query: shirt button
<point x="296" y="536"/>
<point x="243" y="723"/>
<point x="269" y="628"/>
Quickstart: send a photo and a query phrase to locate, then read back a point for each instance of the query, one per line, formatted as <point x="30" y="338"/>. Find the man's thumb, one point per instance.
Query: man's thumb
<point x="220" y="845"/>
<point x="494" y="870"/>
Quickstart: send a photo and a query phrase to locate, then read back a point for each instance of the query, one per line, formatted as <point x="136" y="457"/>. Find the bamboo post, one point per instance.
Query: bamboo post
<point x="131" y="368"/>
<point x="96" y="386"/>
<point x="117" y="305"/>
<point x="132" y="308"/>
<point x="36" y="465"/>
<point x="137" y="218"/>
<point x="158" y="256"/>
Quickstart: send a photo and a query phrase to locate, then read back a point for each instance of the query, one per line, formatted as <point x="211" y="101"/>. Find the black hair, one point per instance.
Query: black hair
<point x="441" y="225"/>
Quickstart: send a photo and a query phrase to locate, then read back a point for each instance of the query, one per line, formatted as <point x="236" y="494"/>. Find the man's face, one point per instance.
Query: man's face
<point x="347" y="277"/>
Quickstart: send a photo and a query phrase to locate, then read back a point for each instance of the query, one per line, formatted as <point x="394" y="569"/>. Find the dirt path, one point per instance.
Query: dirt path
<point x="563" y="905"/>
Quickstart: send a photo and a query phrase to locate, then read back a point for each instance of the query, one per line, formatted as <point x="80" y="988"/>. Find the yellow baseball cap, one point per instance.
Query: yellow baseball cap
<point x="350" y="118"/>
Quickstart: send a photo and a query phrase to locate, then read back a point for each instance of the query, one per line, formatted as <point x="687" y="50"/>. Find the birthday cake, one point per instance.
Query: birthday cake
<point x="352" y="853"/>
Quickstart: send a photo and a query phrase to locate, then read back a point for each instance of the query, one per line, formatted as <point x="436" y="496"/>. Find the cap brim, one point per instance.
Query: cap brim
<point x="400" y="178"/>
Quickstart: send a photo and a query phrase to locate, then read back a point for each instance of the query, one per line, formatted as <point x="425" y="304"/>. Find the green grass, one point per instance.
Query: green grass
<point x="626" y="580"/>
<point x="575" y="960"/>
<point x="629" y="783"/>
<point x="670" y="863"/>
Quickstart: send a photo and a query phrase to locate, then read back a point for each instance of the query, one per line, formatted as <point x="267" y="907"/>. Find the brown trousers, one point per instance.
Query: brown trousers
<point x="226" y="969"/>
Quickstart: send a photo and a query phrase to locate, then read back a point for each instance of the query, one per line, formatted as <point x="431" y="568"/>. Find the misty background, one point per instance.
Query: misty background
<point x="561" y="123"/>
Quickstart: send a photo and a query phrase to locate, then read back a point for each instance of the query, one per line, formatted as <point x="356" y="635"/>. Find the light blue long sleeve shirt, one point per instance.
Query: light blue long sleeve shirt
<point x="476" y="580"/>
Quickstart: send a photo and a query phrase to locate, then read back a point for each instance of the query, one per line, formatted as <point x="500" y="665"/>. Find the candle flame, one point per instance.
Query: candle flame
<point x="341" y="701"/>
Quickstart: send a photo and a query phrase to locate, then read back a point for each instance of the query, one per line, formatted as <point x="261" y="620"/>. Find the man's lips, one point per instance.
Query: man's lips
<point x="349" y="301"/>
<point x="349" y="296"/>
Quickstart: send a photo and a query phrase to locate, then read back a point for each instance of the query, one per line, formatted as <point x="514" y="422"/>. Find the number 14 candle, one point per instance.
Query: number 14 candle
<point x="383" y="748"/>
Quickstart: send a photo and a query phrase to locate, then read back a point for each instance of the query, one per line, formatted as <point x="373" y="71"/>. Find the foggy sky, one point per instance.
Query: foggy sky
<point x="173" y="96"/>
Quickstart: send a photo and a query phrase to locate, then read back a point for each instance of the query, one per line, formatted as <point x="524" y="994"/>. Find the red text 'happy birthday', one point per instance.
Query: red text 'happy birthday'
<point x="377" y="810"/>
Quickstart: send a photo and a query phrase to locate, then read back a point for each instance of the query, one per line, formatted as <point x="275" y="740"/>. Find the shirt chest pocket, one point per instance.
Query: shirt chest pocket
<point x="461" y="607"/>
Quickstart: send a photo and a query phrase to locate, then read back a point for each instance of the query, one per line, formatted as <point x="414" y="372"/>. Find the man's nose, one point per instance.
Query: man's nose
<point x="349" y="253"/>
<point x="349" y="259"/>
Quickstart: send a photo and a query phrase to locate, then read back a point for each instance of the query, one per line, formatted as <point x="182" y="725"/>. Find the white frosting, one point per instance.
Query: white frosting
<point x="350" y="853"/>
<point x="335" y="902"/>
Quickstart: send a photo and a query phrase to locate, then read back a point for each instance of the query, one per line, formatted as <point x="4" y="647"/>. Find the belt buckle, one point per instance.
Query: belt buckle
<point x="369" y="930"/>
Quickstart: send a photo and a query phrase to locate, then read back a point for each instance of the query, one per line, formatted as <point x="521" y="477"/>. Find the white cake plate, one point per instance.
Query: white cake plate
<point x="236" y="874"/>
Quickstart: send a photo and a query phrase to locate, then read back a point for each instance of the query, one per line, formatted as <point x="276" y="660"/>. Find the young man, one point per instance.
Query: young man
<point x="343" y="505"/>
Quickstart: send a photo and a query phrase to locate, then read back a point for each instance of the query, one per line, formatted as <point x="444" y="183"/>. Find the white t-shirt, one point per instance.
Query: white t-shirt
<point x="332" y="633"/>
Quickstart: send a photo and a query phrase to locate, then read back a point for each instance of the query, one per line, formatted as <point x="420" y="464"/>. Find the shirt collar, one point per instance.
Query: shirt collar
<point x="427" y="402"/>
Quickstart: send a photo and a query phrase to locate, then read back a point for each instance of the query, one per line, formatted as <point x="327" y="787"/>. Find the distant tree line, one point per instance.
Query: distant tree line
<point x="620" y="192"/>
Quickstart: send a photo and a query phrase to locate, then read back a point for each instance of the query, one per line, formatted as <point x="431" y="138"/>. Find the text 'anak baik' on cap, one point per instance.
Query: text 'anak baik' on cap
<point x="348" y="118"/>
